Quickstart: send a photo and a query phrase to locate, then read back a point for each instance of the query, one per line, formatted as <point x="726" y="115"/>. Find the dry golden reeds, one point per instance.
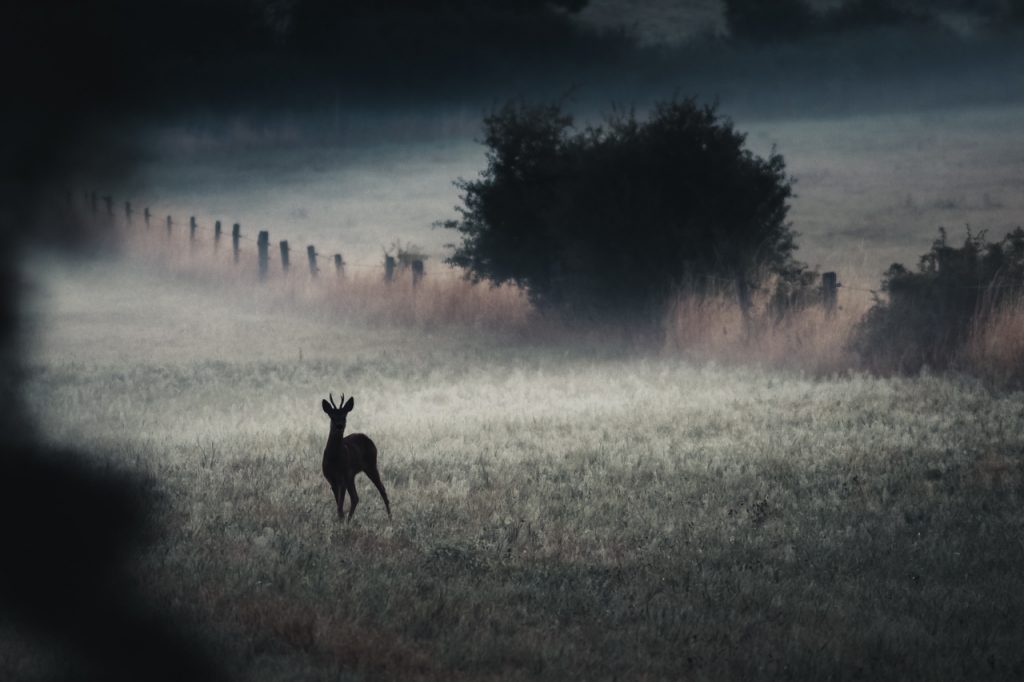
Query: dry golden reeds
<point x="701" y="325"/>
<point x="711" y="327"/>
<point x="440" y="299"/>
<point x="995" y="347"/>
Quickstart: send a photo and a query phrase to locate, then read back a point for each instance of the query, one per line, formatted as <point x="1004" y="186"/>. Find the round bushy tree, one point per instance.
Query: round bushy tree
<point x="612" y="220"/>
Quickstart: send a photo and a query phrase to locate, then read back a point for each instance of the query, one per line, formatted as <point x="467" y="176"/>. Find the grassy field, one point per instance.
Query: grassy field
<point x="562" y="508"/>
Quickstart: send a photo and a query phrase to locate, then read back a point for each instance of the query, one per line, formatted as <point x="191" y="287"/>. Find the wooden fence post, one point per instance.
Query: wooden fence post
<point x="169" y="223"/>
<point x="389" y="268"/>
<point x="236" y="236"/>
<point x="829" y="285"/>
<point x="109" y="201"/>
<point x="128" y="212"/>
<point x="192" y="232"/>
<point x="339" y="265"/>
<point x="743" y="296"/>
<point x="145" y="215"/>
<point x="311" y="254"/>
<point x="263" y="248"/>
<point x="285" y="255"/>
<point x="417" y="272"/>
<point x="216" y="236"/>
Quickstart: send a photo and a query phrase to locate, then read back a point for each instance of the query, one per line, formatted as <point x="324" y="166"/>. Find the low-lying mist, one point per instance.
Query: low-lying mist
<point x="167" y="298"/>
<point x="871" y="189"/>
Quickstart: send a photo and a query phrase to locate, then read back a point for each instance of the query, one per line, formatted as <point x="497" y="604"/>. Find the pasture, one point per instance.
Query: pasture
<point x="562" y="507"/>
<point x="733" y="499"/>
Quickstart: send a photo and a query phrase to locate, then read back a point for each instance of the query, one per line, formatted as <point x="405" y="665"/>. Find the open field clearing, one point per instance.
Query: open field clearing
<point x="560" y="509"/>
<point x="748" y="403"/>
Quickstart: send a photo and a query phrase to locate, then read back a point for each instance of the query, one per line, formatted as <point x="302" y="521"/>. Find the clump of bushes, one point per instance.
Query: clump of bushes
<point x="405" y="254"/>
<point x="931" y="314"/>
<point x="796" y="288"/>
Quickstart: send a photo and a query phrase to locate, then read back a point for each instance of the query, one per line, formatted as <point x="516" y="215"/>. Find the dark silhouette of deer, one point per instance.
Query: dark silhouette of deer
<point x="346" y="456"/>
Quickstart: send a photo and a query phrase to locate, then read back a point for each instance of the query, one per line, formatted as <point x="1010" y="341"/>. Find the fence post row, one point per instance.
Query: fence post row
<point x="263" y="248"/>
<point x="285" y="255"/>
<point x="829" y="287"/>
<point x="311" y="253"/>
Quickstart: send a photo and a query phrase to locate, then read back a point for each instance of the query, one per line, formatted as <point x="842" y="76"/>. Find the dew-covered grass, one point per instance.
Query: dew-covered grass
<point x="560" y="510"/>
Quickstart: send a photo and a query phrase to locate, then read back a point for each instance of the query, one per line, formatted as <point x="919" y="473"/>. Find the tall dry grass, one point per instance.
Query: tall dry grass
<point x="440" y="299"/>
<point x="995" y="347"/>
<point x="701" y="326"/>
<point x="710" y="327"/>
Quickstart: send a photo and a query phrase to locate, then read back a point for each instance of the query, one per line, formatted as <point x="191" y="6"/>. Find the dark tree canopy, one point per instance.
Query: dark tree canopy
<point x="613" y="219"/>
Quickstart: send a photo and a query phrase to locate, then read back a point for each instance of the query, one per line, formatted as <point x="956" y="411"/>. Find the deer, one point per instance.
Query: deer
<point x="346" y="456"/>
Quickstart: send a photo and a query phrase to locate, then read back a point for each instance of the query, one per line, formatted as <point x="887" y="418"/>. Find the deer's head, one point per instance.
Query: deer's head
<point x="338" y="414"/>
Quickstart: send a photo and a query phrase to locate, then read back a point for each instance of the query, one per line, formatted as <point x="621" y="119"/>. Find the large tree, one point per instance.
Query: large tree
<point x="612" y="220"/>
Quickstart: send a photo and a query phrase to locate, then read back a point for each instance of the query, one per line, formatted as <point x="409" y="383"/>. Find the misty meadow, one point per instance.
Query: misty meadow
<point x="689" y="337"/>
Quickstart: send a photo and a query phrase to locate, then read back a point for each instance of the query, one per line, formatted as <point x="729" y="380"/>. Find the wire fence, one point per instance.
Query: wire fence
<point x="201" y="230"/>
<point x="261" y="247"/>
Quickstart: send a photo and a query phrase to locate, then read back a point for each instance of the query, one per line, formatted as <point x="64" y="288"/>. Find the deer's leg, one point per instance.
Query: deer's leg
<point x="350" y="484"/>
<point x="339" y="498"/>
<point x="374" y="476"/>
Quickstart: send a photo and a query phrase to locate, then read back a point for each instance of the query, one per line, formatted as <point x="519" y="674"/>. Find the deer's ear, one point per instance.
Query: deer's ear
<point x="349" y="405"/>
<point x="326" y="405"/>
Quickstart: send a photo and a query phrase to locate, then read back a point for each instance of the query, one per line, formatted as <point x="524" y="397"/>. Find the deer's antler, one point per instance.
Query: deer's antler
<point x="331" y="396"/>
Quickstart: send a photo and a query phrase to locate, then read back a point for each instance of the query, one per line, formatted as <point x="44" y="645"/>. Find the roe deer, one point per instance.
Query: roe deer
<point x="345" y="456"/>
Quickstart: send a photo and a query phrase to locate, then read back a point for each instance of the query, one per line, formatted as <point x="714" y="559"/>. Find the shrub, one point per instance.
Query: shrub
<point x="611" y="220"/>
<point x="930" y="313"/>
<point x="405" y="254"/>
<point x="796" y="288"/>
